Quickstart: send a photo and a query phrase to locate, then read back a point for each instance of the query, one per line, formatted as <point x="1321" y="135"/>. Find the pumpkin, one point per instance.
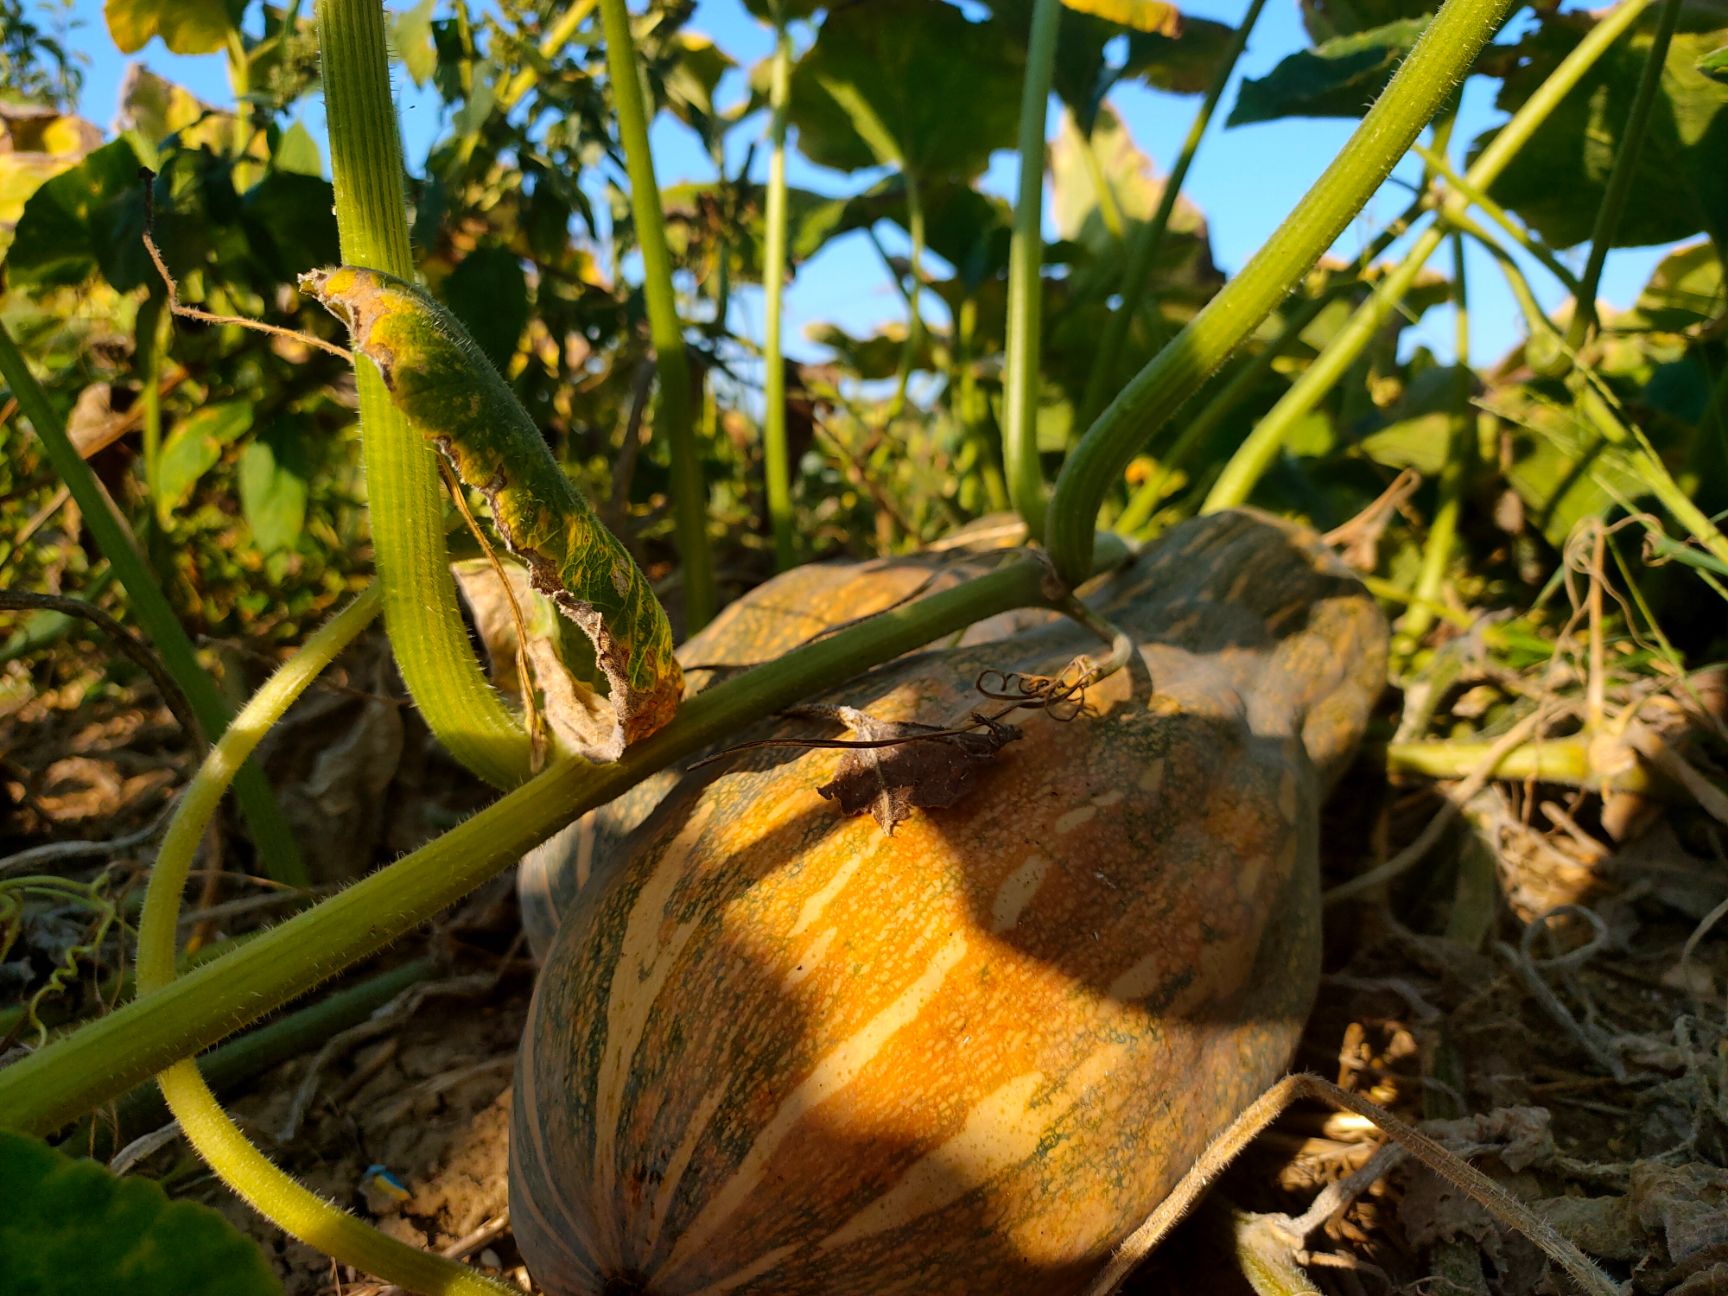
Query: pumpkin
<point x="776" y="1050"/>
<point x="776" y="616"/>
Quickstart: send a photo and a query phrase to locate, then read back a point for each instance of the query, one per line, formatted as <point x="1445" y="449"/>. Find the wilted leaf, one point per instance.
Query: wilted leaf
<point x="72" y="1229"/>
<point x="273" y="484"/>
<point x="908" y="83"/>
<point x="185" y="26"/>
<point x="488" y="292"/>
<point x="921" y="765"/>
<point x="451" y="395"/>
<point x="1340" y="77"/>
<point x="1679" y="188"/>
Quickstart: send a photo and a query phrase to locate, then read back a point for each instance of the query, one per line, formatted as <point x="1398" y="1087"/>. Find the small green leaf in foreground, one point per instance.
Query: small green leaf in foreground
<point x="72" y="1229"/>
<point x="450" y="394"/>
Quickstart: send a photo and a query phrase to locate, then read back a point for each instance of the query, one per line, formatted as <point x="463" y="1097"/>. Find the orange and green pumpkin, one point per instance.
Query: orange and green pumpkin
<point x="773" y="618"/>
<point x="774" y="1050"/>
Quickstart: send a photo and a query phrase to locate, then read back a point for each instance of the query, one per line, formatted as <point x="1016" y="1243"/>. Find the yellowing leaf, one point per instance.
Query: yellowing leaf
<point x="1151" y="16"/>
<point x="185" y="26"/>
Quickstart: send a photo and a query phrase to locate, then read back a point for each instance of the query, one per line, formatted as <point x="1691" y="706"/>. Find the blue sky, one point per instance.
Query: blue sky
<point x="1244" y="179"/>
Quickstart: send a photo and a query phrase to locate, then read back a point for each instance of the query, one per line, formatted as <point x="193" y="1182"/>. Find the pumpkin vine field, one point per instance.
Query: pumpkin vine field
<point x="653" y="647"/>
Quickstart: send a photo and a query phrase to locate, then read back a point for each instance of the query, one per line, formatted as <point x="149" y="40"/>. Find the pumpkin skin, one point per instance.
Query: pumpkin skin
<point x="774" y="1050"/>
<point x="771" y="619"/>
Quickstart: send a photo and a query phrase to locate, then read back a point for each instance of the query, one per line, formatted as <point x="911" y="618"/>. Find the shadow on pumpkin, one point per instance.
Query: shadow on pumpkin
<point x="794" y="1055"/>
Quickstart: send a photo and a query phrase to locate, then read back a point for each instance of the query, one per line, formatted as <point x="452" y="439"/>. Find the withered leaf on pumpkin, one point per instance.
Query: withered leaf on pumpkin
<point x="919" y="765"/>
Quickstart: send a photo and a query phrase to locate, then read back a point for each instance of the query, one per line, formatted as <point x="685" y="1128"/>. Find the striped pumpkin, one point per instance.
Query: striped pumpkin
<point x="771" y="619"/>
<point x="773" y="1050"/>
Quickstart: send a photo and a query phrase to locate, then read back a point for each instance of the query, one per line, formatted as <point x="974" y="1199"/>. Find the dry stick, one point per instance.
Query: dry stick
<point x="1473" y="783"/>
<point x="175" y="306"/>
<point x="37" y="857"/>
<point x="1494" y="1199"/>
<point x="55" y="503"/>
<point x="1525" y="964"/>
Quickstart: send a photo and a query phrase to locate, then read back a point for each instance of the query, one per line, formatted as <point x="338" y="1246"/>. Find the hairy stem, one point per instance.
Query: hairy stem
<point x="1256" y="454"/>
<point x="248" y="1172"/>
<point x="1143" y="251"/>
<point x="774" y="451"/>
<point x="1422" y="85"/>
<point x="1619" y="186"/>
<point x="275" y="844"/>
<point x="106" y="1057"/>
<point x="1020" y="379"/>
<point x="404" y="497"/>
<point x="672" y="412"/>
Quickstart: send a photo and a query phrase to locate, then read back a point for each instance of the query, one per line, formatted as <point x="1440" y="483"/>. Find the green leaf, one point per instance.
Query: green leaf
<point x="70" y="227"/>
<point x="185" y="26"/>
<point x="72" y="1229"/>
<point x="448" y="392"/>
<point x="290" y="222"/>
<point x="690" y="78"/>
<point x="1680" y="185"/>
<point x="1417" y="428"/>
<point x="194" y="447"/>
<point x="1684" y="292"/>
<point x="1563" y="469"/>
<point x="967" y="229"/>
<point x="1183" y="64"/>
<point x="1715" y="64"/>
<point x="1340" y="77"/>
<point x="152" y="108"/>
<point x="488" y="292"/>
<point x="411" y="38"/>
<point x="907" y="83"/>
<point x="704" y="217"/>
<point x="763" y="10"/>
<point x="296" y="152"/>
<point x="1328" y="19"/>
<point x="273" y="484"/>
